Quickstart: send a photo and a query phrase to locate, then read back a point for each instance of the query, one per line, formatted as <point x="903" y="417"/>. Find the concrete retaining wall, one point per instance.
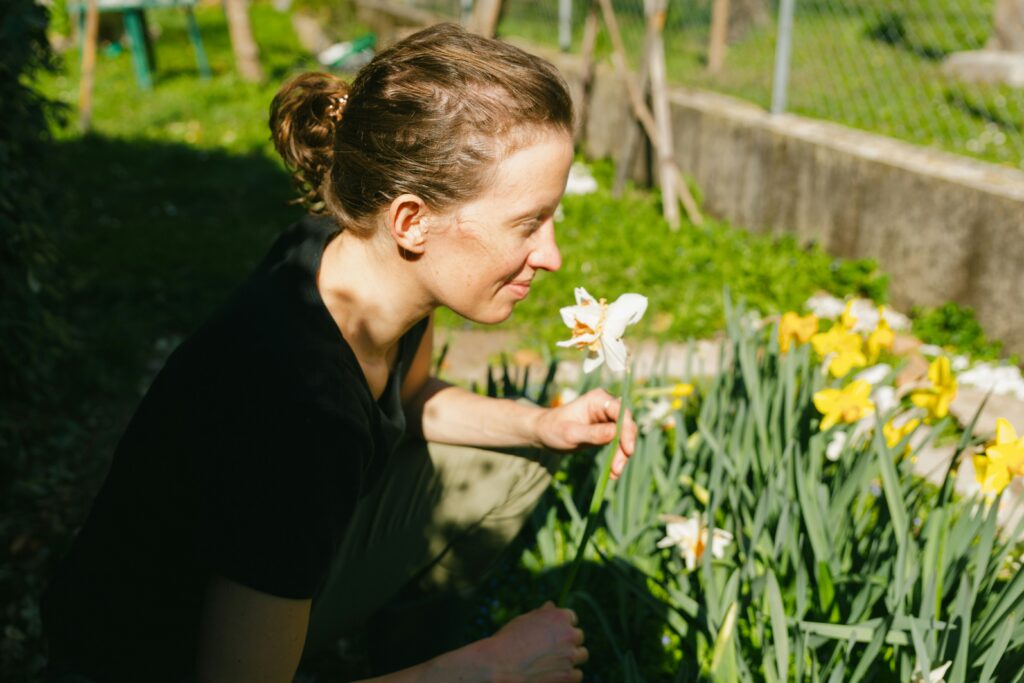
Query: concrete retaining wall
<point x="943" y="227"/>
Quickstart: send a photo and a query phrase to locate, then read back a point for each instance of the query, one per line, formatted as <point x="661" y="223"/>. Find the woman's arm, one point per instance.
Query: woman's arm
<point x="247" y="636"/>
<point x="444" y="413"/>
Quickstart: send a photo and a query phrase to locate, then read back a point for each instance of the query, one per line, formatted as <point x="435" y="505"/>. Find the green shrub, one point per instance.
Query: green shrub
<point x="954" y="327"/>
<point x="31" y="336"/>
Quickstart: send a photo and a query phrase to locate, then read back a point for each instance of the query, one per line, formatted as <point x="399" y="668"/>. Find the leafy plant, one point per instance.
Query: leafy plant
<point x="954" y="327"/>
<point x="844" y="570"/>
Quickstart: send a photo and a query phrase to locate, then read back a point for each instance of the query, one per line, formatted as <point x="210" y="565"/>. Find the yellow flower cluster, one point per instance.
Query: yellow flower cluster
<point x="936" y="399"/>
<point x="841" y="346"/>
<point x="1003" y="460"/>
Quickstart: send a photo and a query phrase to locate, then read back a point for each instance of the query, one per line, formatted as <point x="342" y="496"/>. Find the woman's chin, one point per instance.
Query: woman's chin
<point x="488" y="317"/>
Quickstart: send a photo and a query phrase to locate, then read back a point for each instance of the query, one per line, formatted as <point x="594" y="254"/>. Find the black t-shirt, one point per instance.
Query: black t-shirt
<point x="244" y="459"/>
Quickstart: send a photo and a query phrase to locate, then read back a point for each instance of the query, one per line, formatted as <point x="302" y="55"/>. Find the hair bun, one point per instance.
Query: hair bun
<point x="304" y="118"/>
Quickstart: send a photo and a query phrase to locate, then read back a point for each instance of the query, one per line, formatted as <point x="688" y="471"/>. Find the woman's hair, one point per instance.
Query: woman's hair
<point x="429" y="116"/>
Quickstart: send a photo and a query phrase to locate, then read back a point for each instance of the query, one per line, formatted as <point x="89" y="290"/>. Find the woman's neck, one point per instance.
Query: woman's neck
<point x="371" y="293"/>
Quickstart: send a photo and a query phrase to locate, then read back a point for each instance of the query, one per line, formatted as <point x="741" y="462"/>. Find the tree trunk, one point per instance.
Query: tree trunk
<point x="745" y="15"/>
<point x="1008" y="24"/>
<point x="247" y="53"/>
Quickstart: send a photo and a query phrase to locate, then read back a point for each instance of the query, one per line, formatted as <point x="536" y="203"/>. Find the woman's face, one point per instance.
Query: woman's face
<point x="490" y="248"/>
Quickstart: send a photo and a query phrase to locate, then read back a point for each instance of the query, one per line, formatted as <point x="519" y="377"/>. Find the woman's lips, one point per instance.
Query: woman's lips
<point x="519" y="289"/>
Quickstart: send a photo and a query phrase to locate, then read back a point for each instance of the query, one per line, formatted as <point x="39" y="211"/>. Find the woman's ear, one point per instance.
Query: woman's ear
<point x="409" y="219"/>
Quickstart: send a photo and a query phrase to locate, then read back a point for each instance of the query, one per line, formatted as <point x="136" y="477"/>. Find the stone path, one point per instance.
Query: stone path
<point x="470" y="352"/>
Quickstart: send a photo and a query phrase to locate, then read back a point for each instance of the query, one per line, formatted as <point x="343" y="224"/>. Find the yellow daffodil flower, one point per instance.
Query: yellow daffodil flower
<point x="894" y="434"/>
<point x="681" y="390"/>
<point x="882" y="338"/>
<point x="936" y="400"/>
<point x="849" y="404"/>
<point x="1002" y="461"/>
<point x="842" y="349"/>
<point x="794" y="327"/>
<point x="848" y="319"/>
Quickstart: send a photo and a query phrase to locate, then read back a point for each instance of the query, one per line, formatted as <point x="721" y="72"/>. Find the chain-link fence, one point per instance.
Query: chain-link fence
<point x="917" y="70"/>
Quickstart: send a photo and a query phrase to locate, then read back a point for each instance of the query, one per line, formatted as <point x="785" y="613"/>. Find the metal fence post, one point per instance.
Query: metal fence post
<point x="783" y="50"/>
<point x="565" y="25"/>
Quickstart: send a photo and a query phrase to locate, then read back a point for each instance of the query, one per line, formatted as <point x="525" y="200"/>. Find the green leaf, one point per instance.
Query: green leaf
<point x="723" y="658"/>
<point x="891" y="487"/>
<point x="995" y="653"/>
<point x="780" y="631"/>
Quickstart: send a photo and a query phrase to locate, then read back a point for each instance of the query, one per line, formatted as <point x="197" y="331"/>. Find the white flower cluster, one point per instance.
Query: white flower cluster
<point x="1004" y="380"/>
<point x="864" y="310"/>
<point x="581" y="181"/>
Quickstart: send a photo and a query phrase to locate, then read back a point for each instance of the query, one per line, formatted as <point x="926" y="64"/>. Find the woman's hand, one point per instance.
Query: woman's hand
<point x="542" y="646"/>
<point x="588" y="421"/>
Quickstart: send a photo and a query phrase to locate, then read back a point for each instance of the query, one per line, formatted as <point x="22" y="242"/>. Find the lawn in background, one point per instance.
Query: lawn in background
<point x="875" y="65"/>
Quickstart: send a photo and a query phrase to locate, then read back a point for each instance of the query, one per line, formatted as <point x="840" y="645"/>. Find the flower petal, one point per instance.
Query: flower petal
<point x="582" y="295"/>
<point x="615" y="354"/>
<point x="593" y="360"/>
<point x="624" y="311"/>
<point x="1005" y="433"/>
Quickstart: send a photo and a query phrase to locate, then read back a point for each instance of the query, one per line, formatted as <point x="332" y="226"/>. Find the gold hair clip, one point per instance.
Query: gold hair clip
<point x="337" y="107"/>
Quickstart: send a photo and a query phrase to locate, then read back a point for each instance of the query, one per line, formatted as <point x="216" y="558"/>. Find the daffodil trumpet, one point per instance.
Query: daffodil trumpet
<point x="598" y="497"/>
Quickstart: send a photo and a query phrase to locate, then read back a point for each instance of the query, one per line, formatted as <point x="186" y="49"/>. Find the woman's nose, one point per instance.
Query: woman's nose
<point x="546" y="255"/>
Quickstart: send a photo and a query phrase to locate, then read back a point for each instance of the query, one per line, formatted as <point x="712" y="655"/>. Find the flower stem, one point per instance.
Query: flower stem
<point x="598" y="498"/>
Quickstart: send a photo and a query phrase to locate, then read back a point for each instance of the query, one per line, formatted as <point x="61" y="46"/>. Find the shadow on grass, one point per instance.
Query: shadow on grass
<point x="891" y="28"/>
<point x="153" y="237"/>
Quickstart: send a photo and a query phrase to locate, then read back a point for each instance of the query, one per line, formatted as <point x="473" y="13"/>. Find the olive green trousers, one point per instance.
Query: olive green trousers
<point x="439" y="516"/>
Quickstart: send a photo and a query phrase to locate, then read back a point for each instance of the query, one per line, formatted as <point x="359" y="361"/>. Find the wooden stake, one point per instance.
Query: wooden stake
<point x="590" y="28"/>
<point x="621" y="66"/>
<point x="92" y="29"/>
<point x="655" y="57"/>
<point x="719" y="34"/>
<point x="247" y="52"/>
<point x="484" y="19"/>
<point x="631" y="143"/>
<point x="640" y="109"/>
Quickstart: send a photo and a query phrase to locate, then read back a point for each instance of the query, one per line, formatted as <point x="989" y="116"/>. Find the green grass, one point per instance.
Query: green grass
<point x="614" y="246"/>
<point x="873" y="65"/>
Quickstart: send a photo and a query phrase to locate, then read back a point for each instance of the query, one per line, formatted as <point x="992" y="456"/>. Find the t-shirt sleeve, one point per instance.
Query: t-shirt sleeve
<point x="280" y="489"/>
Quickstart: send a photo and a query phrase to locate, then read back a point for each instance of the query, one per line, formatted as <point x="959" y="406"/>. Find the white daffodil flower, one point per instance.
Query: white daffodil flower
<point x="825" y="306"/>
<point x="884" y="398"/>
<point x="658" y="413"/>
<point x="875" y="374"/>
<point x="691" y="537"/>
<point x="836" y="445"/>
<point x="934" y="676"/>
<point x="598" y="326"/>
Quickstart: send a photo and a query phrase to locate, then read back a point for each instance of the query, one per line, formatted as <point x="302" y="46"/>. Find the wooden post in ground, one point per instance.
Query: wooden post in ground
<point x="632" y="140"/>
<point x="92" y="29"/>
<point x="590" y="28"/>
<point x="640" y="110"/>
<point x="655" y="58"/>
<point x="719" y="35"/>
<point x="247" y="53"/>
<point x="484" y="19"/>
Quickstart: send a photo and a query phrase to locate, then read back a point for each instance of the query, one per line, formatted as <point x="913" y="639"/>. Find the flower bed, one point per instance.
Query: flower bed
<point x="826" y="563"/>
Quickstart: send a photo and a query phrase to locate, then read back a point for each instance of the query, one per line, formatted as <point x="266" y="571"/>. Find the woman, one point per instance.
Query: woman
<point x="265" y="499"/>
